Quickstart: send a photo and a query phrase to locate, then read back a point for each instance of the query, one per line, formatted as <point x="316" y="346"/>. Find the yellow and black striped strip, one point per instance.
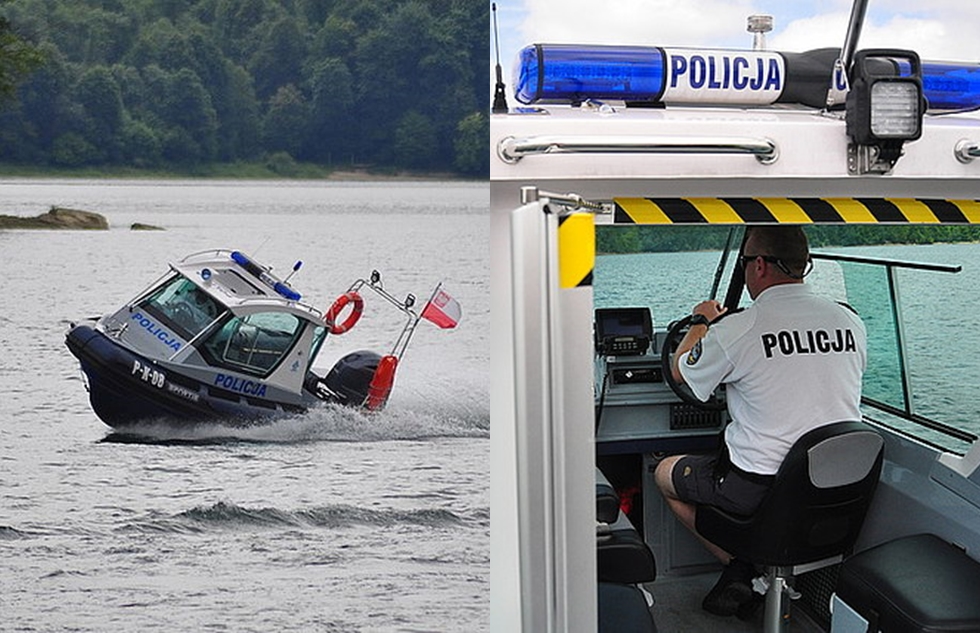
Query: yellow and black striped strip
<point x="795" y="210"/>
<point x="576" y="250"/>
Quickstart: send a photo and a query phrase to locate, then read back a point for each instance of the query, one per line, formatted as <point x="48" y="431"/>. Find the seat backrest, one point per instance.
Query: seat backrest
<point x="820" y="496"/>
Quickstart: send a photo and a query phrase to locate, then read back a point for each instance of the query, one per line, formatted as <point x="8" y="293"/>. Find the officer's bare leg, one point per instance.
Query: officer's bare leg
<point x="685" y="512"/>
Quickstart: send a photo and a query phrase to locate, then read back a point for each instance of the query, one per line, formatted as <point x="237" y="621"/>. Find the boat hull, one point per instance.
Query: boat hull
<point x="127" y="389"/>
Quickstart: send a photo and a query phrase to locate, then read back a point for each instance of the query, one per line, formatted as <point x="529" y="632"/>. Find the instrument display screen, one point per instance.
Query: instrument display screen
<point x="625" y="331"/>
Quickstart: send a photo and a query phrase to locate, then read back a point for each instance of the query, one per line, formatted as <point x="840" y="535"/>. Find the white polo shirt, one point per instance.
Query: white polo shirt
<point x="792" y="361"/>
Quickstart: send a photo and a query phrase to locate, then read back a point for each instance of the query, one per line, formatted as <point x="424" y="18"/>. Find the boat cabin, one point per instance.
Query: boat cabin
<point x="210" y="314"/>
<point x="584" y="409"/>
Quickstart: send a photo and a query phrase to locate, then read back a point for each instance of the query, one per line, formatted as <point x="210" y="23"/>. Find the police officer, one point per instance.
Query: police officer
<point x="792" y="361"/>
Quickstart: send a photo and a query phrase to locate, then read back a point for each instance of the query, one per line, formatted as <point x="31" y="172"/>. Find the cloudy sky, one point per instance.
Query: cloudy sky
<point x="938" y="30"/>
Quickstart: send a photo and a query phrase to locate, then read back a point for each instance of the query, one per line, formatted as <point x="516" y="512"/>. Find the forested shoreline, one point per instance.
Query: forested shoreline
<point x="651" y="239"/>
<point x="159" y="84"/>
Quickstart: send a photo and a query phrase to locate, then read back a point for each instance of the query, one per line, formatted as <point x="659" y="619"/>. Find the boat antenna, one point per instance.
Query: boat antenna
<point x="843" y="65"/>
<point x="296" y="267"/>
<point x="500" y="92"/>
<point x="262" y="245"/>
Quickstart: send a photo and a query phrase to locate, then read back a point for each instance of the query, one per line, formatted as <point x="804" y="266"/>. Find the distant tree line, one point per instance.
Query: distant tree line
<point x="154" y="83"/>
<point x="654" y="239"/>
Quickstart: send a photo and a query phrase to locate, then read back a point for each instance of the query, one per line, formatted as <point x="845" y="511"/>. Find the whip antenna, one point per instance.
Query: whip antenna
<point x="500" y="92"/>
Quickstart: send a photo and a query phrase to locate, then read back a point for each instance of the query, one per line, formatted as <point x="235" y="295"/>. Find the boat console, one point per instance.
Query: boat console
<point x="640" y="420"/>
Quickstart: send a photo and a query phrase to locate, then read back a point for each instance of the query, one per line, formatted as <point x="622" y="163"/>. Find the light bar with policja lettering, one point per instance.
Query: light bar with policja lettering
<point x="563" y="73"/>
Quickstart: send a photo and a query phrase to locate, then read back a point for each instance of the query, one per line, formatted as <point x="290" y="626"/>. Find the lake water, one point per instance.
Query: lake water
<point x="941" y="322"/>
<point x="328" y="521"/>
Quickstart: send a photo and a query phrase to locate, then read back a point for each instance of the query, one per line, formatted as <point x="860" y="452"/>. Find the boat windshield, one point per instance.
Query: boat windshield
<point x="253" y="344"/>
<point x="180" y="305"/>
<point x="913" y="346"/>
<point x="319" y="335"/>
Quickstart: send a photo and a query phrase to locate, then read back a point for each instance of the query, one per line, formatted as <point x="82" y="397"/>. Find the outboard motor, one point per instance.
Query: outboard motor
<point x="350" y="378"/>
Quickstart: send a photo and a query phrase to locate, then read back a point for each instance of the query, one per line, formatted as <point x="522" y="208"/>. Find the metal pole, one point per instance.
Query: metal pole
<point x="858" y="10"/>
<point x="776" y="617"/>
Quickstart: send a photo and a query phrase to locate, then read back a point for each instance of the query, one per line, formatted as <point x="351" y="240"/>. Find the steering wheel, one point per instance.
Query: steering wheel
<point x="675" y="333"/>
<point x="184" y="316"/>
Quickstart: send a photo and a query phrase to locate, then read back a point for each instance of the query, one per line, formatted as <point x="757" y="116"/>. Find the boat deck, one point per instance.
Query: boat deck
<point x="677" y="608"/>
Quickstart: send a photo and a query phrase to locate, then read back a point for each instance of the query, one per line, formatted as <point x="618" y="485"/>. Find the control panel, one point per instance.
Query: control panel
<point x="623" y="331"/>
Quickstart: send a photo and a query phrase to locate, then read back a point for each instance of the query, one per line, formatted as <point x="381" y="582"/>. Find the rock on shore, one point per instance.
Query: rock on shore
<point x="57" y="218"/>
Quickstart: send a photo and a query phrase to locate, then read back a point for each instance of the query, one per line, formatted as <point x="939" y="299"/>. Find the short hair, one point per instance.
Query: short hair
<point x="785" y="242"/>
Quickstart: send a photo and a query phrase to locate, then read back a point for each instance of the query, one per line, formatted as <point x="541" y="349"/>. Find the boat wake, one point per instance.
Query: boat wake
<point x="10" y="533"/>
<point x="410" y="419"/>
<point x="225" y="515"/>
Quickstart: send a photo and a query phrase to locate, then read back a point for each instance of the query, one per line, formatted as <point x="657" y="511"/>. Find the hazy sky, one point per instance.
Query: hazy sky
<point x="936" y="29"/>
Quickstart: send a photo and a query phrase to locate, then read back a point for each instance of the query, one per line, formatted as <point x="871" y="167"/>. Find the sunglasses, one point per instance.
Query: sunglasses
<point x="745" y="260"/>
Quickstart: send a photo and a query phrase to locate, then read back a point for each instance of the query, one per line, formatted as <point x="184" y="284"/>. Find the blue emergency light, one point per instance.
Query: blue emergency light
<point x="559" y="74"/>
<point x="562" y="73"/>
<point x="951" y="87"/>
<point x="280" y="287"/>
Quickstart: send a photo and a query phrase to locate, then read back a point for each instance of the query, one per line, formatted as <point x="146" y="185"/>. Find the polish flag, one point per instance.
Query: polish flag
<point x="442" y="310"/>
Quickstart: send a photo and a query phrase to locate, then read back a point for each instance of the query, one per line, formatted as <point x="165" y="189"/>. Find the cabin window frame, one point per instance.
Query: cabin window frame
<point x="165" y="307"/>
<point x="219" y="347"/>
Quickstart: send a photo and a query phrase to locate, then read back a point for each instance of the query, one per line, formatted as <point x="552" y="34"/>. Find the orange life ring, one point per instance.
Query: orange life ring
<point x="357" y="306"/>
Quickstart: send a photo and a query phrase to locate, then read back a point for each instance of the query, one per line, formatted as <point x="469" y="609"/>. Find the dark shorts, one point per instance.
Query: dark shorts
<point x="713" y="480"/>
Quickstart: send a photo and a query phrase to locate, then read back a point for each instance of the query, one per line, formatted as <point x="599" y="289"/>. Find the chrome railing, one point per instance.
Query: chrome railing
<point x="511" y="150"/>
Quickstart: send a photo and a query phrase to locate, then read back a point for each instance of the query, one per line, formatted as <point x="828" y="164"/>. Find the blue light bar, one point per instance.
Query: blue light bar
<point x="951" y="87"/>
<point x="558" y="73"/>
<point x="286" y="291"/>
<point x="242" y="260"/>
<point x="280" y="287"/>
<point x="564" y="73"/>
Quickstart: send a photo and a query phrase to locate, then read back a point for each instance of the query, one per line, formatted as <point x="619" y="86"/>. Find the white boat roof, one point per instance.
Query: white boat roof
<point x="237" y="288"/>
<point x="811" y="147"/>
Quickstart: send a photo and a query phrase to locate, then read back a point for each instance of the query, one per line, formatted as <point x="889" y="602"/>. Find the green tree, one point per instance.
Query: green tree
<point x="204" y="80"/>
<point x="416" y="143"/>
<point x="141" y="146"/>
<point x="131" y="87"/>
<point x="472" y="133"/>
<point x="44" y="100"/>
<point x="238" y="114"/>
<point x="17" y="58"/>
<point x="239" y="24"/>
<point x="187" y="122"/>
<point x="388" y="60"/>
<point x="72" y="150"/>
<point x="619" y="240"/>
<point x="279" y="58"/>
<point x="164" y="45"/>
<point x="331" y="110"/>
<point x="90" y="34"/>
<point x="102" y="112"/>
<point x="284" y="123"/>
<point x="335" y="39"/>
<point x="473" y="19"/>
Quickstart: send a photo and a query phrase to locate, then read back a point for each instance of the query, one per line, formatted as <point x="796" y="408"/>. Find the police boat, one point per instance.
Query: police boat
<point x="221" y="338"/>
<point x="875" y="524"/>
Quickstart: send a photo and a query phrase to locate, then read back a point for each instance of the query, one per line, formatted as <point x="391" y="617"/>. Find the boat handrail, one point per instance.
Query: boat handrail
<point x="921" y="420"/>
<point x="275" y="300"/>
<point x="896" y="263"/>
<point x="211" y="253"/>
<point x="511" y="149"/>
<point x="966" y="151"/>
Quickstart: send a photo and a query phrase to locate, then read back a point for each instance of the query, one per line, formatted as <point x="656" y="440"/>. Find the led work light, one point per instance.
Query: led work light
<point x="884" y="107"/>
